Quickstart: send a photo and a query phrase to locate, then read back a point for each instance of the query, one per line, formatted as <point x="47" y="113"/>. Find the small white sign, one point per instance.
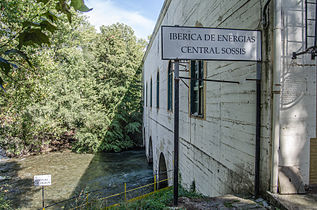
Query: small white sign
<point x="193" y="43"/>
<point x="42" y="180"/>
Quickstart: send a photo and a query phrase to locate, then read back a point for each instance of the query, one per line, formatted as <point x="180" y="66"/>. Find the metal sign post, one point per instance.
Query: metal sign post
<point x="176" y="130"/>
<point x="258" y="130"/>
<point x="197" y="43"/>
<point x="43" y="203"/>
<point x="42" y="180"/>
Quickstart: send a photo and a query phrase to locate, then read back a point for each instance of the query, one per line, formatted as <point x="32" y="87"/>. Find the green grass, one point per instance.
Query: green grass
<point x="157" y="201"/>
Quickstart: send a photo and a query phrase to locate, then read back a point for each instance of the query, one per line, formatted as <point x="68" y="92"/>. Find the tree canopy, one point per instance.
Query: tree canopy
<point x="63" y="80"/>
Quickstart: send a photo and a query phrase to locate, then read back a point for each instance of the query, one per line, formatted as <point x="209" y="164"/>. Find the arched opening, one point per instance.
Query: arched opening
<point x="163" y="182"/>
<point x="150" y="156"/>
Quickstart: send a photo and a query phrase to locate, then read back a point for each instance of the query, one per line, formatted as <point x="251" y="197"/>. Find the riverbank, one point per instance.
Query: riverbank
<point x="72" y="174"/>
<point x="61" y="145"/>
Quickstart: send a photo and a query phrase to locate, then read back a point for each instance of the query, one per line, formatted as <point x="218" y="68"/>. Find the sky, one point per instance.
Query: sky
<point x="141" y="15"/>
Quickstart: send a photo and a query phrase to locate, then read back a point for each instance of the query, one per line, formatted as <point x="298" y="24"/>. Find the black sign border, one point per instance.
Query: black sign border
<point x="234" y="29"/>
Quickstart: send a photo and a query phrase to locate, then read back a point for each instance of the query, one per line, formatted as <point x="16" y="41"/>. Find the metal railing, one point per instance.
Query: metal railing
<point x="93" y="199"/>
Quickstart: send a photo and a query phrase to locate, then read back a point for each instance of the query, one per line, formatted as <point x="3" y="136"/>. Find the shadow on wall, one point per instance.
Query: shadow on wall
<point x="296" y="117"/>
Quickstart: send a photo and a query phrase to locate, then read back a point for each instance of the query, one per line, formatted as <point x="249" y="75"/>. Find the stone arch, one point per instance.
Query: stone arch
<point x="150" y="154"/>
<point x="162" y="172"/>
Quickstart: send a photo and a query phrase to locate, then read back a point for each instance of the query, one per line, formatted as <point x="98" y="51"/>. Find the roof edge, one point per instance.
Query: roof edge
<point x="157" y="26"/>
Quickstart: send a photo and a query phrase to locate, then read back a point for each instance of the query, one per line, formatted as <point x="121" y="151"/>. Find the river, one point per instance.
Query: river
<point x="104" y="173"/>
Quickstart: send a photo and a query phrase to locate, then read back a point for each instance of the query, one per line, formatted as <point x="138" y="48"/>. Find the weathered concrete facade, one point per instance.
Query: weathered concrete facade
<point x="217" y="152"/>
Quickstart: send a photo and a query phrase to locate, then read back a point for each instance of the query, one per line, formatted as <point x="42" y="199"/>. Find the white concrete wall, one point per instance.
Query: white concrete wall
<point x="216" y="153"/>
<point x="298" y="97"/>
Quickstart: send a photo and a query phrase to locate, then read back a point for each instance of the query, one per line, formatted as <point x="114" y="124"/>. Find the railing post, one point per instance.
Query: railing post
<point x="125" y="192"/>
<point x="154" y="183"/>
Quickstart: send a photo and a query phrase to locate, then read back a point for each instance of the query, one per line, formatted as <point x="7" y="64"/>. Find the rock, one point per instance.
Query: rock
<point x="265" y="204"/>
<point x="4" y="178"/>
<point x="2" y="155"/>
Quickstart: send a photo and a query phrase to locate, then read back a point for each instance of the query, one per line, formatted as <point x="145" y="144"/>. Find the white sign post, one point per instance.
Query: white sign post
<point x="42" y="180"/>
<point x="193" y="43"/>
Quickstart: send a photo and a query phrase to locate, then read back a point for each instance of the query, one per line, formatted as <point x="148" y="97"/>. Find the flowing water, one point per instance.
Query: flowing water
<point x="103" y="173"/>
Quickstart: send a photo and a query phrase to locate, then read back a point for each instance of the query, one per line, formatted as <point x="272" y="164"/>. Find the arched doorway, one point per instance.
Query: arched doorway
<point x="150" y="156"/>
<point x="162" y="173"/>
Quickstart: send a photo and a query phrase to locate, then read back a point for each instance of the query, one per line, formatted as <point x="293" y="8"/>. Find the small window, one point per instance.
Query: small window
<point x="197" y="88"/>
<point x="158" y="90"/>
<point x="151" y="93"/>
<point x="146" y="95"/>
<point x="169" y="86"/>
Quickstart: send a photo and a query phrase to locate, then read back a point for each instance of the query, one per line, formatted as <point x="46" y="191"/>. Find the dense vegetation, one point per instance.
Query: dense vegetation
<point x="69" y="82"/>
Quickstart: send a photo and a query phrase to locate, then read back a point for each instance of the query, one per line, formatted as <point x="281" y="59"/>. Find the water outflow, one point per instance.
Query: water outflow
<point x="72" y="174"/>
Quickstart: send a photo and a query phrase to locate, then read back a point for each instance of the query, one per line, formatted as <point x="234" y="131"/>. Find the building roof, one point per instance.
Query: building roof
<point x="157" y="27"/>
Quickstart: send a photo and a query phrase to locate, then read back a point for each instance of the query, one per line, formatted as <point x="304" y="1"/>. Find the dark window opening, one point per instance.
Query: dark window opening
<point x="197" y="88"/>
<point x="151" y="93"/>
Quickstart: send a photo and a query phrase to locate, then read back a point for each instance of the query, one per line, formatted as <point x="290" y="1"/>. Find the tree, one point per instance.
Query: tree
<point x="86" y="86"/>
<point x="28" y="23"/>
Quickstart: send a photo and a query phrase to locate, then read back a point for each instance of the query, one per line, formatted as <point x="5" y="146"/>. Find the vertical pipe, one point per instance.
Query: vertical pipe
<point x="258" y="130"/>
<point x="276" y="88"/>
<point x="176" y="130"/>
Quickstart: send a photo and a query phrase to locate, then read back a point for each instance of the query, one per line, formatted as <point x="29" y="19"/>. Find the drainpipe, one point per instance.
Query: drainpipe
<point x="277" y="52"/>
<point x="258" y="130"/>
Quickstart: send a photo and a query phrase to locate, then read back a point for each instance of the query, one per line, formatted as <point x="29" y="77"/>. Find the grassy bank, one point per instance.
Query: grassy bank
<point x="157" y="201"/>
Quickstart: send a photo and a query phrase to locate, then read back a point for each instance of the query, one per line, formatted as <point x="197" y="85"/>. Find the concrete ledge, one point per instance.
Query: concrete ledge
<point x="273" y="200"/>
<point x="293" y="201"/>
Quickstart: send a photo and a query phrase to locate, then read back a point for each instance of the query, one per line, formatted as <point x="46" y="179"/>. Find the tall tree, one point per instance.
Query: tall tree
<point x="26" y="23"/>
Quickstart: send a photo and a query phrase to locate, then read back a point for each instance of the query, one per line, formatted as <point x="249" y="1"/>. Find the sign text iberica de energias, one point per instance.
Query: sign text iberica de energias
<point x="193" y="43"/>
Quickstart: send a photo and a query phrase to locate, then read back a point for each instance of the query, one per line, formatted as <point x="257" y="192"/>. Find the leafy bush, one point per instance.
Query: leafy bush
<point x="4" y="204"/>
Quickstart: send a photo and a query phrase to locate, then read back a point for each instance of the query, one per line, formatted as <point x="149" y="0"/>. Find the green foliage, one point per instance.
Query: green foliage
<point x="80" y="84"/>
<point x="4" y="204"/>
<point x="29" y="23"/>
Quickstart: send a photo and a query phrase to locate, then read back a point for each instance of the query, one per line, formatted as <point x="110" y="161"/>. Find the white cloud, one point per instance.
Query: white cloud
<point x="106" y="13"/>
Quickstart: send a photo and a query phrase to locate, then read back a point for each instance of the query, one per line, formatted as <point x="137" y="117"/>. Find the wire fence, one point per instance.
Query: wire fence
<point x="100" y="198"/>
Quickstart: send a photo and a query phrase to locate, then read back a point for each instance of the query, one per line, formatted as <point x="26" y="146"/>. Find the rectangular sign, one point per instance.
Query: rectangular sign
<point x="42" y="180"/>
<point x="193" y="43"/>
